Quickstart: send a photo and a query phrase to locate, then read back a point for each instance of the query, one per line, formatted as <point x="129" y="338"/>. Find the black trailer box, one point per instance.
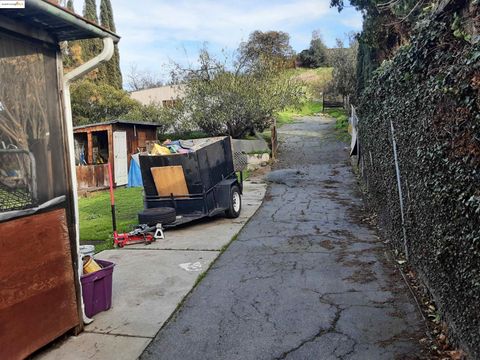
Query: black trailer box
<point x="207" y="170"/>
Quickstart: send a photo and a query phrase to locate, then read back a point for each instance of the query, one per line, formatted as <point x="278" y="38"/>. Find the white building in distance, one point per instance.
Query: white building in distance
<point x="163" y="95"/>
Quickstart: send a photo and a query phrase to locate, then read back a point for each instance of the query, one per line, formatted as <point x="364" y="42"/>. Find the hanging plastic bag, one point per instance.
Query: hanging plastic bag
<point x="160" y="150"/>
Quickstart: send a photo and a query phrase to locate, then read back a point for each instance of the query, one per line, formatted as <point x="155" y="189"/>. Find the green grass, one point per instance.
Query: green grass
<point x="288" y="115"/>
<point x="96" y="215"/>
<point x="260" y="152"/>
<point x="312" y="75"/>
<point x="267" y="136"/>
<point x="341" y="122"/>
<point x="245" y="173"/>
<point x="341" y="118"/>
<point x="315" y="80"/>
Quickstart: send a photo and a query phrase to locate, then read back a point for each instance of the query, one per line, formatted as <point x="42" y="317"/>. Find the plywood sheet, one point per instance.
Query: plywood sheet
<point x="37" y="291"/>
<point x="169" y="180"/>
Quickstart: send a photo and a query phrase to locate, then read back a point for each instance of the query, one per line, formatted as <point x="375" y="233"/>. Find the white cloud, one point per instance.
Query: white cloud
<point x="213" y="21"/>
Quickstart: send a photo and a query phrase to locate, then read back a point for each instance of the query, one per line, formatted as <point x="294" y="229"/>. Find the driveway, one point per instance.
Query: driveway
<point x="305" y="278"/>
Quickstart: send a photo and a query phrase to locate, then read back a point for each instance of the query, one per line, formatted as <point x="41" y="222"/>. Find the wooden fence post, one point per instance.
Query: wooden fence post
<point x="274" y="139"/>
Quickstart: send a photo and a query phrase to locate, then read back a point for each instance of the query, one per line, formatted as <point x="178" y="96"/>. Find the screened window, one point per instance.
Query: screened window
<point x="32" y="154"/>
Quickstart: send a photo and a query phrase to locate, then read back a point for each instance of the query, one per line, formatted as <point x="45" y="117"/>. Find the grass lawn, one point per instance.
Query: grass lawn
<point x="340" y="116"/>
<point x="245" y="173"/>
<point x="96" y="215"/>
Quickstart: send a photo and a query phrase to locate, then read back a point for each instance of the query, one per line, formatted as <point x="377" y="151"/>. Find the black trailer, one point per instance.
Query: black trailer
<point x="213" y="186"/>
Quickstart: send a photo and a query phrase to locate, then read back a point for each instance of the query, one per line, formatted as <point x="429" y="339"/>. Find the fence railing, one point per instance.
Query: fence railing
<point x="332" y="102"/>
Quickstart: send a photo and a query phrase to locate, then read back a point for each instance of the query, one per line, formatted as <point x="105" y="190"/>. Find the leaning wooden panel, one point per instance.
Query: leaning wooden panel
<point x="37" y="293"/>
<point x="169" y="180"/>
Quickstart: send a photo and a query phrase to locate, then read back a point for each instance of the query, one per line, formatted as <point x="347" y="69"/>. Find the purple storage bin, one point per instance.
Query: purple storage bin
<point x="97" y="289"/>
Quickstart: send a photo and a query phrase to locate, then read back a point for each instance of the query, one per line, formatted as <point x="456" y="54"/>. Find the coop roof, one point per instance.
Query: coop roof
<point x="121" y="122"/>
<point x="59" y="22"/>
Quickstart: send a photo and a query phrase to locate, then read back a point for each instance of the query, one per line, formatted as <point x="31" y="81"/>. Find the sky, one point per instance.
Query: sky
<point x="155" y="33"/>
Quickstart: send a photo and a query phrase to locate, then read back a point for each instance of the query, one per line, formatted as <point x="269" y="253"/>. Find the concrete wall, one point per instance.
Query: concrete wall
<point x="250" y="146"/>
<point x="256" y="161"/>
<point x="158" y="94"/>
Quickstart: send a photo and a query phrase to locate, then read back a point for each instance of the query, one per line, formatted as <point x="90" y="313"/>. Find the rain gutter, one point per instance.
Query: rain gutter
<point x="73" y="19"/>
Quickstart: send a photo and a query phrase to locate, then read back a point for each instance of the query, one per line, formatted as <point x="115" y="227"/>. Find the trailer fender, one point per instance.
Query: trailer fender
<point x="222" y="192"/>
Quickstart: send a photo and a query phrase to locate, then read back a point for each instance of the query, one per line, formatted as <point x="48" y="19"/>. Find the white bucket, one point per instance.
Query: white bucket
<point x="87" y="250"/>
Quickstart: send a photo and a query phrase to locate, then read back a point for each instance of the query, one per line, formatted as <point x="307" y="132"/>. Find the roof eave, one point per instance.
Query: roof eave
<point x="60" y="23"/>
<point x="74" y="19"/>
<point x="112" y="122"/>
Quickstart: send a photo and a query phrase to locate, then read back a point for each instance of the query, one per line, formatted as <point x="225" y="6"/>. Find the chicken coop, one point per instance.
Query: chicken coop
<point x="40" y="294"/>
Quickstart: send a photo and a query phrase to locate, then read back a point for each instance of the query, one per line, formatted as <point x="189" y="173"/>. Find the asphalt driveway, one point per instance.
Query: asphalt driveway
<point x="305" y="279"/>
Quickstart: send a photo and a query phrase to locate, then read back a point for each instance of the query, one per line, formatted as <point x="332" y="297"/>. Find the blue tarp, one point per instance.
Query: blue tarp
<point x="134" y="174"/>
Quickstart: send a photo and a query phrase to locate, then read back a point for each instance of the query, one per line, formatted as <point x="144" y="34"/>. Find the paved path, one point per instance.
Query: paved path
<point x="305" y="279"/>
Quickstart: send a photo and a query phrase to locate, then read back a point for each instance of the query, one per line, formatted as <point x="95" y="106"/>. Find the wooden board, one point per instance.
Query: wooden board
<point x="169" y="180"/>
<point x="92" y="176"/>
<point x="37" y="291"/>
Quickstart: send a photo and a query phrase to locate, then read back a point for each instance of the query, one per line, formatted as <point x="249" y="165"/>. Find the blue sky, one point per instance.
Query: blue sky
<point x="156" y="32"/>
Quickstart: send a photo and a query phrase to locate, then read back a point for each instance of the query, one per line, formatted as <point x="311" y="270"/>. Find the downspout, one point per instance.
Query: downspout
<point x="68" y="78"/>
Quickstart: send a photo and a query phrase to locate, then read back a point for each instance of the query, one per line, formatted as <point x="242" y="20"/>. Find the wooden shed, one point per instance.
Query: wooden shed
<point x="113" y="142"/>
<point x="40" y="288"/>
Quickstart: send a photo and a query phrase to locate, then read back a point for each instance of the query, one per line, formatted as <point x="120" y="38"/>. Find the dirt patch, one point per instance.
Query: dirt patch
<point x="299" y="242"/>
<point x="362" y="276"/>
<point x="357" y="263"/>
<point x="326" y="186"/>
<point x="348" y="235"/>
<point x="329" y="182"/>
<point x="332" y="194"/>
<point x="403" y="335"/>
<point x="397" y="314"/>
<point x="327" y="244"/>
<point x="267" y="197"/>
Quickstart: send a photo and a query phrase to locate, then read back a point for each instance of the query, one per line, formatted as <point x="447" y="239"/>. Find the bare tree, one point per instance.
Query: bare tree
<point x="142" y="79"/>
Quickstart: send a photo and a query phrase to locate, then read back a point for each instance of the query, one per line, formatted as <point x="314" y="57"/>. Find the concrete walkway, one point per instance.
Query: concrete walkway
<point x="149" y="282"/>
<point x="305" y="279"/>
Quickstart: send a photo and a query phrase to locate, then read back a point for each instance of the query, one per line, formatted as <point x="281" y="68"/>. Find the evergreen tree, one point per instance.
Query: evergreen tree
<point x="316" y="55"/>
<point x="110" y="72"/>
<point x="106" y="15"/>
<point x="90" y="10"/>
<point x="71" y="50"/>
<point x="91" y="47"/>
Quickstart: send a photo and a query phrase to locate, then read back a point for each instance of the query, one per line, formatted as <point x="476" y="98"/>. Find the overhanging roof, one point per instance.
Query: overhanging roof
<point x="122" y="122"/>
<point x="59" y="22"/>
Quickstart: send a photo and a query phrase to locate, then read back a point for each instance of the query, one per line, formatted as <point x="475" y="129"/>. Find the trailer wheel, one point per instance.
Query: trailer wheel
<point x="235" y="203"/>
<point x="153" y="216"/>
